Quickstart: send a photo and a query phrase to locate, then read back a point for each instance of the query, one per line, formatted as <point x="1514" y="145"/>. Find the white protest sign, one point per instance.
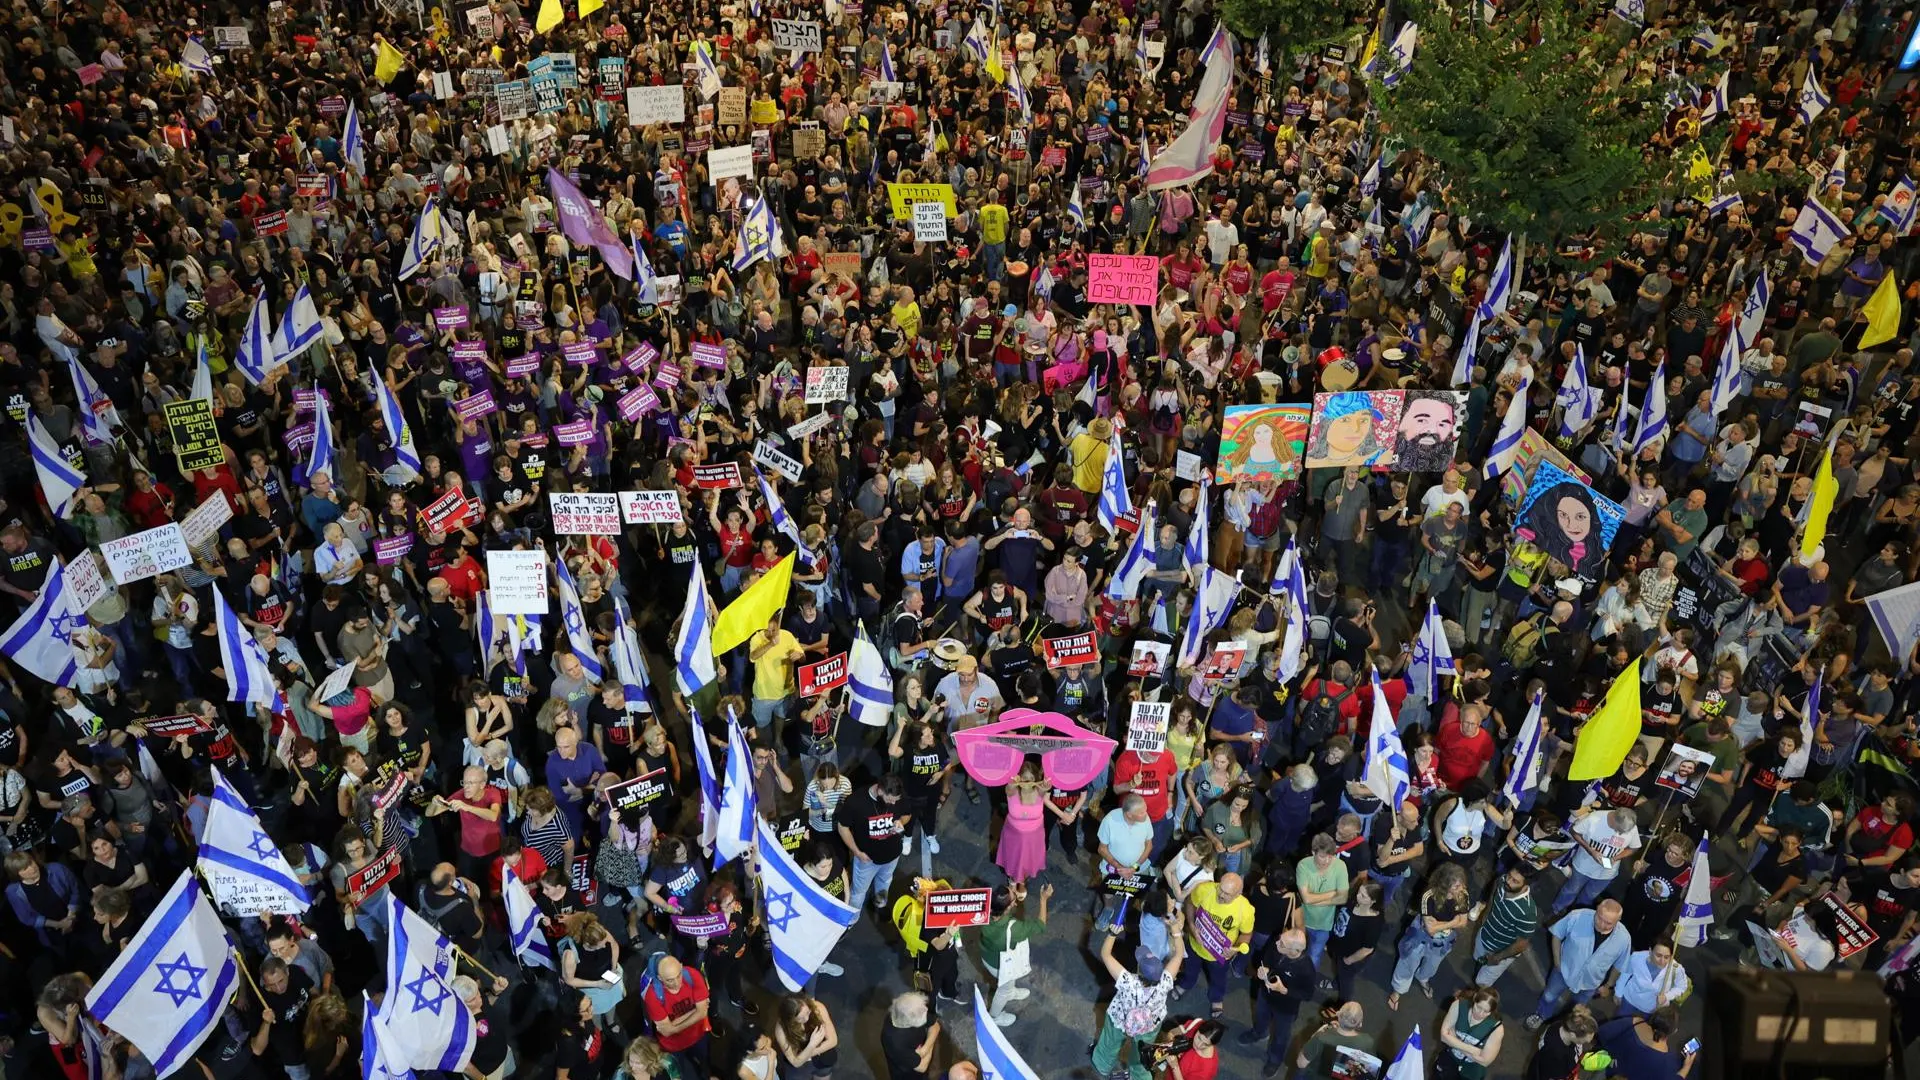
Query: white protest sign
<point x="517" y="582"/>
<point x="499" y="141"/>
<point x="1147" y="727"/>
<point x="146" y="554"/>
<point x="826" y="384"/>
<point x="1186" y="465"/>
<point x="724" y="162"/>
<point x="791" y="34"/>
<point x="443" y="85"/>
<point x="656" y="105"/>
<point x="202" y="526"/>
<point x="811" y="424"/>
<point x="583" y="513"/>
<point x="765" y="453"/>
<point x="929" y="221"/>
<point x="246" y="895"/>
<point x="85" y="586"/>
<point x="650" y="507"/>
<point x="231" y="37"/>
<point x="335" y="684"/>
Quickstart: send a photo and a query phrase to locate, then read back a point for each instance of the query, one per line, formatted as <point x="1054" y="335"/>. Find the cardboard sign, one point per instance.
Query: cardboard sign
<point x="579" y="353"/>
<point x="1147" y="726"/>
<point x="947" y="908"/>
<point x="817" y="679"/>
<point x="1068" y="649"/>
<point x="371" y="877"/>
<point x="846" y="263"/>
<point x="1149" y="659"/>
<point x="172" y="727"/>
<point x="656" y="105"/>
<point x="146" y="554"/>
<point x="475" y="405"/>
<point x="1186" y="465"/>
<point x="444" y="514"/>
<point x="765" y="453"/>
<point x="196" y="434"/>
<point x="708" y="355"/>
<point x="85" y="585"/>
<point x="1225" y="661"/>
<point x="650" y="507"/>
<point x="791" y="34"/>
<point x="719" y="477"/>
<point x="517" y="582"/>
<point x="704" y="924"/>
<point x="733" y="106"/>
<point x="1122" y="279"/>
<point x="391" y="549"/>
<point x="583" y="513"/>
<point x="636" y="403"/>
<point x="809" y="143"/>
<point x="827" y="384"/>
<point x="639" y="792"/>
<point x="202" y="526"/>
<point x="929" y="222"/>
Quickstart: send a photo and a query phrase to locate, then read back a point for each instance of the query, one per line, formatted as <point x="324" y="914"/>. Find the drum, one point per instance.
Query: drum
<point x="947" y="653"/>
<point x="1340" y="375"/>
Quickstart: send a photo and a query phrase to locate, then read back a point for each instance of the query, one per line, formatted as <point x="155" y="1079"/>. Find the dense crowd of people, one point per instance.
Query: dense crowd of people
<point x="345" y="239"/>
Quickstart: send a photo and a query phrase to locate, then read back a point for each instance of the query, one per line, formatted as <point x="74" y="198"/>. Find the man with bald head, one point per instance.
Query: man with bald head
<point x="1590" y="949"/>
<point x="1284" y="980"/>
<point x="1219" y="928"/>
<point x="677" y="1005"/>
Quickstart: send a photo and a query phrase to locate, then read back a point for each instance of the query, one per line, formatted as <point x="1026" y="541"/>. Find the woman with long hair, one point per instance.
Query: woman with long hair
<point x="806" y="1038"/>
<point x="590" y="963"/>
<point x="1441" y="914"/>
<point x="1023" y="842"/>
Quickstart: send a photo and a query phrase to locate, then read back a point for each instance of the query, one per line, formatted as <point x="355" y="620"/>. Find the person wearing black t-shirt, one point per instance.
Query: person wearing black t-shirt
<point x="493" y="1042"/>
<point x="286" y="991"/>
<point x="1760" y="780"/>
<point x="1893" y="904"/>
<point x="871" y="823"/>
<point x="1655" y="892"/>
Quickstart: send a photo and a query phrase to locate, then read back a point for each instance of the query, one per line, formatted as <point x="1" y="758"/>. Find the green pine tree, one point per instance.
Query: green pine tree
<point x="1294" y="25"/>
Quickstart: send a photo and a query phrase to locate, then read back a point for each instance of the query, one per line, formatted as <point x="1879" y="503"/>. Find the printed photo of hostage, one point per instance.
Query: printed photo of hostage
<point x="1684" y="771"/>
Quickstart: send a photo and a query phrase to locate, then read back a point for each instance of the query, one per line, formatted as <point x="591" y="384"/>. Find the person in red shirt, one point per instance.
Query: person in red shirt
<point x="525" y="862"/>
<point x="1464" y="747"/>
<point x="1149" y="774"/>
<point x="479" y="805"/>
<point x="464" y="577"/>
<point x="1879" y="835"/>
<point x="676" y="1002"/>
<point x="1337" y="687"/>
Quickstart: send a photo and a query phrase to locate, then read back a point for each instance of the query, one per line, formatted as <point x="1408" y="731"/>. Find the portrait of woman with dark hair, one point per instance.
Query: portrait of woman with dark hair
<point x="1564" y="521"/>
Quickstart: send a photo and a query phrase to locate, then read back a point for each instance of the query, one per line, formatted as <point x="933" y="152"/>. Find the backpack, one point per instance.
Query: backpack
<point x="883" y="635"/>
<point x="1321" y="717"/>
<point x="1528" y="640"/>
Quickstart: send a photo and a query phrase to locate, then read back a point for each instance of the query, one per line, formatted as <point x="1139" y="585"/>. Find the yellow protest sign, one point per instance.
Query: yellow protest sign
<point x="904" y="196"/>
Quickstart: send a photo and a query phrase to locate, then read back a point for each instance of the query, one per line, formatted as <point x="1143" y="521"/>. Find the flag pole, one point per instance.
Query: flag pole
<point x="468" y="957"/>
<point x="241" y="963"/>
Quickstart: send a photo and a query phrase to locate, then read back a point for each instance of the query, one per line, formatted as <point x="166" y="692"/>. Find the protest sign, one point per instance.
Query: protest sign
<point x="818" y="678"/>
<point x="729" y="161"/>
<point x="764" y="453"/>
<point x="85" y="586"/>
<point x="1186" y="465"/>
<point x="272" y="223"/>
<point x="517" y="582"/>
<point x="452" y="317"/>
<point x="650" y="507"/>
<point x="231" y="37"/>
<point x="1224" y="662"/>
<point x="811" y="424"/>
<point x="638" y="358"/>
<point x="579" y="353"/>
<point x="704" y="924"/>
<point x="636" y="403"/>
<point x="947" y="908"/>
<point x="444" y="514"/>
<point x="313" y="187"/>
<point x="1147" y="726"/>
<point x="391" y="549"/>
<point x="519" y="367"/>
<point x="196" y="434"/>
<point x="733" y="107"/>
<point x="639" y="792"/>
<point x="825" y="384"/>
<point x="1850" y="934"/>
<point x="708" y="355"/>
<point x="656" y="105"/>
<point x="903" y="196"/>
<point x="929" y="222"/>
<point x="1122" y="279"/>
<point x="791" y="34"/>
<point x="809" y="142"/>
<point x="573" y="433"/>
<point x="717" y="477"/>
<point x="146" y="554"/>
<point x="203" y="524"/>
<point x="846" y="263"/>
<point x="1080" y="648"/>
<point x="476" y="405"/>
<point x="1149" y="658"/>
<point x="383" y="869"/>
<point x="172" y="727"/>
<point x="582" y="513"/>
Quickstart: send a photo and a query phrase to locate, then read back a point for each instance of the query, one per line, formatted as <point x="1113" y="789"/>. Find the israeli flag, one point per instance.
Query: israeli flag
<point x="1140" y="58"/>
<point x="1194" y="554"/>
<point x="1723" y="202"/>
<point x="487" y="631"/>
<point x="1499" y="285"/>
<point x="803" y="921"/>
<point x="1836" y="172"/>
<point x="1146" y="156"/>
<point x="373" y="1046"/>
<point x="869" y="684"/>
<point x="1401" y="52"/>
<point x="320" y="458"/>
<point x="406" y="456"/>
<point x="1290" y="578"/>
<point x="1432" y="655"/>
<point x="739" y="803"/>
<point x="1018" y="92"/>
<point x="299" y="327"/>
<point x="1136" y="562"/>
<point x="1525" y="773"/>
<point x="1653" y="415"/>
<point x="1115" y="502"/>
<point x="248" y="677"/>
<point x="1813" y="100"/>
<point x="59" y="481"/>
<point x="426" y="239"/>
<point x="977" y="42"/>
<point x="1469" y="348"/>
<point x="353" y="146"/>
<point x="255" y="355"/>
<point x="1388" y="775"/>
<point x="1727" y="379"/>
<point x="1076" y="210"/>
<point x="422" y="1023"/>
<point x="242" y="865"/>
<point x="575" y="620"/>
<point x="41" y="639"/>
<point x="886" y="62"/>
<point x="1621" y="415"/>
<point x="783" y="522"/>
<point x="1898" y="209"/>
<point x="98" y="417"/>
<point x="1631" y="11"/>
<point x="1513" y="425"/>
<point x="709" y="783"/>
<point x="1716" y="106"/>
<point x="1753" y="311"/>
<point x="1411" y="1062"/>
<point x="196" y="58"/>
<point x="530" y="944"/>
<point x="1696" y="907"/>
<point x="1212" y="603"/>
<point x="1816" y="232"/>
<point x="629" y="663"/>
<point x="1370" y="183"/>
<point x="710" y="83"/>
<point x="202" y="389"/>
<point x="759" y="236"/>
<point x="1263" y="56"/>
<point x="643" y="272"/>
<point x="172" y="982"/>
<point x="1706" y="39"/>
<point x="1577" y="398"/>
<point x="998" y="1059"/>
<point x="693" y="649"/>
<point x="1796" y="766"/>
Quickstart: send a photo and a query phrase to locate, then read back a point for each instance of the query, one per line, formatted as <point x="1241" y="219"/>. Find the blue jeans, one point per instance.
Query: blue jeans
<point x="1274" y="1015"/>
<point x="1216" y="976"/>
<point x="1579" y="891"/>
<point x="866" y="875"/>
<point x="1317" y="944"/>
<point x="1420" y="956"/>
<point x="1555" y="994"/>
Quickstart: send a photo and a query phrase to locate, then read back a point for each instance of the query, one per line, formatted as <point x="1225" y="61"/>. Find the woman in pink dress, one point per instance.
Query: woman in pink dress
<point x="1023" y="839"/>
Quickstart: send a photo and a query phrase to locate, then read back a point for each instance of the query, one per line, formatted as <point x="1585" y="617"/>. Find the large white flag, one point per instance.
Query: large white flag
<point x="1290" y="577"/>
<point x="1137" y="561"/>
<point x="1526" y="758"/>
<point x="869" y="683"/>
<point x="422" y="1024"/>
<point x="1189" y="158"/>
<point x="523" y="921"/>
<point x="693" y="649"/>
<point x="998" y="1059"/>
<point x="1816" y="231"/>
<point x="59" y="480"/>
<point x="804" y="922"/>
<point x="256" y="355"/>
<point x="1388" y="775"/>
<point x="242" y="865"/>
<point x="1211" y="606"/>
<point x="248" y="676"/>
<point x="575" y="620"/>
<point x="300" y="327"/>
<point x="172" y="982"/>
<point x="1696" y="908"/>
<point x="709" y="785"/>
<point x="739" y="802"/>
<point x="629" y="663"/>
<point x="1432" y="655"/>
<point x="41" y="639"/>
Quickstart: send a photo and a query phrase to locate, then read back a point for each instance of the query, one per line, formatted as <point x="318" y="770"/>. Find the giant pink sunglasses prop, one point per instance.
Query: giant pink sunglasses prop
<point x="1070" y="755"/>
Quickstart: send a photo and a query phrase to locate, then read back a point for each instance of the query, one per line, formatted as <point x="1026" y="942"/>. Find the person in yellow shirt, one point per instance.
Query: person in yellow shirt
<point x="773" y="652"/>
<point x="906" y="313"/>
<point x="993" y="239"/>
<point x="1320" y="252"/>
<point x="1219" y="927"/>
<point x="1088" y="453"/>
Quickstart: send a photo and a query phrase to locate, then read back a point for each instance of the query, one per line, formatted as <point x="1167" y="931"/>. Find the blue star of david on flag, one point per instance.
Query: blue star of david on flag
<point x="421" y="986"/>
<point x="62" y="625"/>
<point x="783" y="903"/>
<point x="262" y="846"/>
<point x="180" y="966"/>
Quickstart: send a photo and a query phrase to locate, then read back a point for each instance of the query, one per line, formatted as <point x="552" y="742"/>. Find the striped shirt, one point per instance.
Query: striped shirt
<point x="1508" y="920"/>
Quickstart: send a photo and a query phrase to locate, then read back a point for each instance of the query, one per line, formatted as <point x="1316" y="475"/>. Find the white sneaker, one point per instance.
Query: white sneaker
<point x="828" y="967"/>
<point x="933" y="845"/>
<point x="1004" y="1019"/>
<point x="906" y="846"/>
<point x="1019" y="993"/>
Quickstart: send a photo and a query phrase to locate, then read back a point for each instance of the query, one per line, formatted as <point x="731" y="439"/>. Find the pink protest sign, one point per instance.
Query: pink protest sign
<point x="1122" y="279"/>
<point x="1070" y="755"/>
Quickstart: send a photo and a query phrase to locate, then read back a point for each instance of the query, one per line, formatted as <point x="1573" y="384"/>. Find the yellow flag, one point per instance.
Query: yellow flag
<point x="588" y="7"/>
<point x="1372" y="47"/>
<point x="1883" y="313"/>
<point x="1611" y="731"/>
<point x="994" y="67"/>
<point x="387" y="61"/>
<point x="749" y="612"/>
<point x="551" y="14"/>
<point x="1825" y="488"/>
